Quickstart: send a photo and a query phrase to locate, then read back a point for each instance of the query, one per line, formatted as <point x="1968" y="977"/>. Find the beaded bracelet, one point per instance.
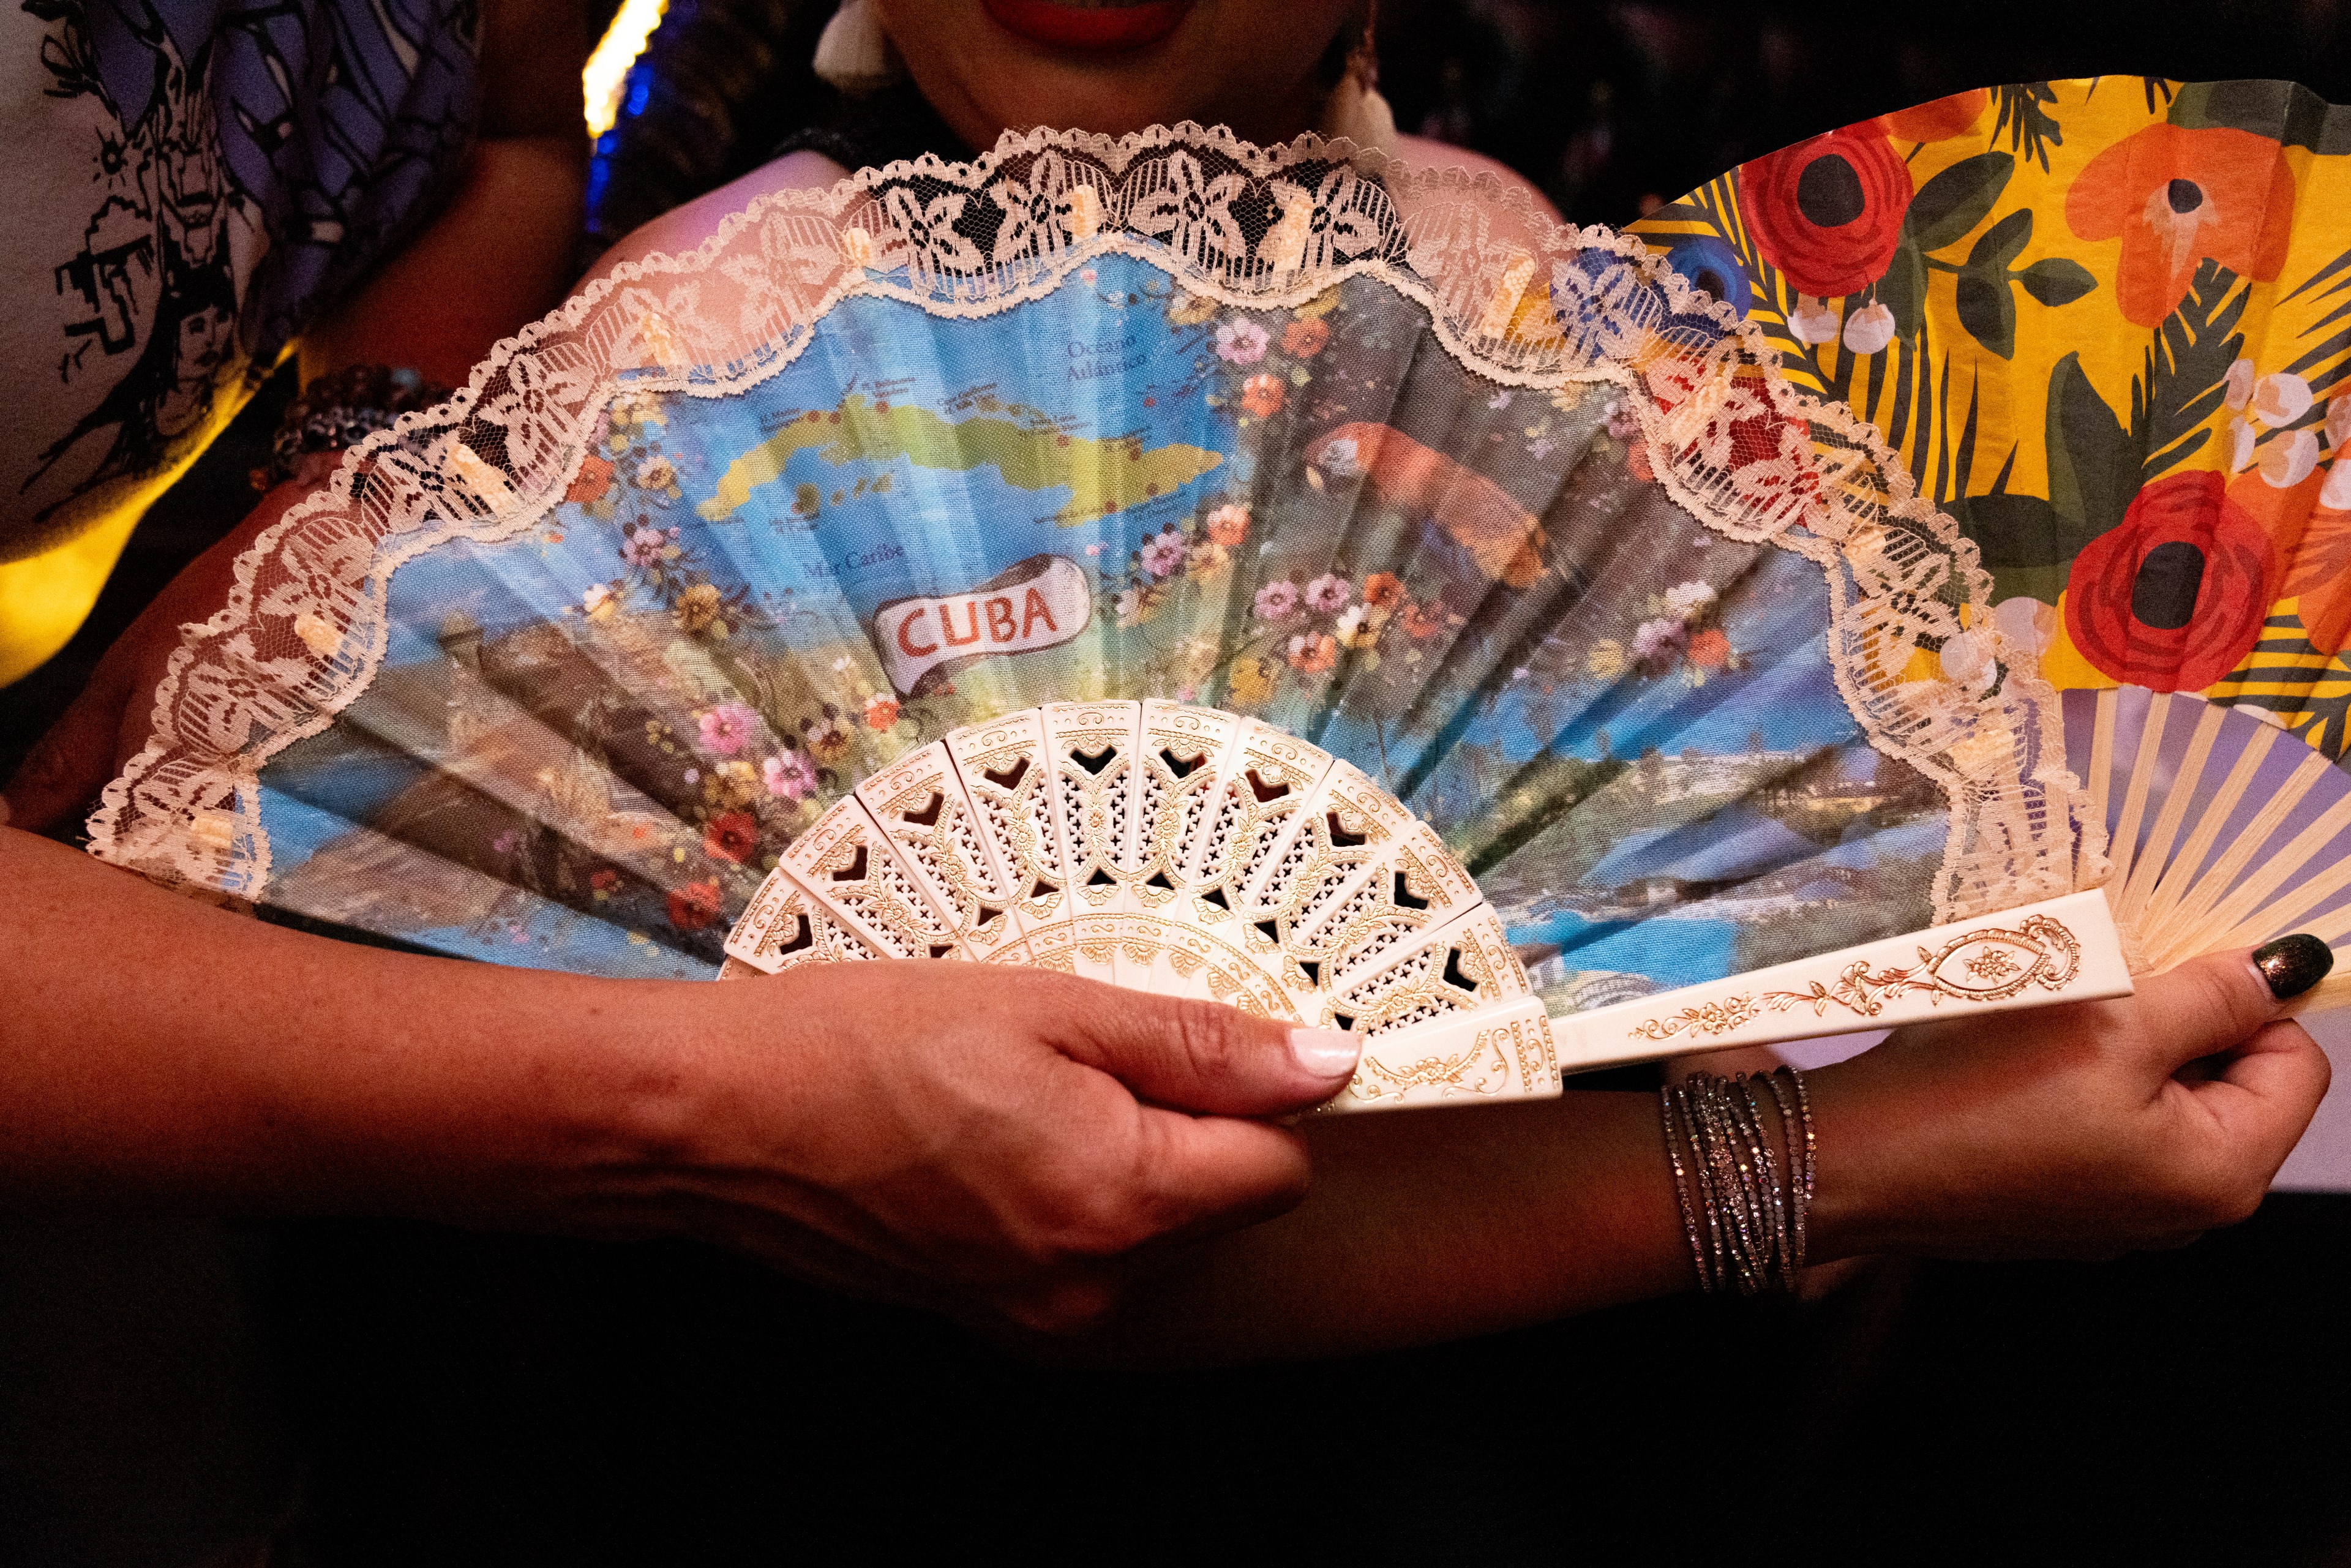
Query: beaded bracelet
<point x="1753" y="1202"/>
<point x="337" y="411"/>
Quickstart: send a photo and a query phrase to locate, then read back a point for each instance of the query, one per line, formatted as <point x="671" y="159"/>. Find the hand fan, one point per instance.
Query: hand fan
<point x="1189" y="564"/>
<point x="2105" y="324"/>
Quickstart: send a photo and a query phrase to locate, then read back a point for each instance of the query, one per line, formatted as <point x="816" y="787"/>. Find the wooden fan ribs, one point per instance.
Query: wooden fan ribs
<point x="2174" y="898"/>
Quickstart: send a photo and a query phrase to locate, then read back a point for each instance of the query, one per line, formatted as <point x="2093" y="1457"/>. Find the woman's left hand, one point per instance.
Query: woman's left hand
<point x="2086" y="1129"/>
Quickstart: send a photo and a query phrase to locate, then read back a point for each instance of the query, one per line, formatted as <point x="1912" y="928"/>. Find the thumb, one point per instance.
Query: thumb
<point x="2210" y="1004"/>
<point x="1193" y="1055"/>
<point x="69" y="765"/>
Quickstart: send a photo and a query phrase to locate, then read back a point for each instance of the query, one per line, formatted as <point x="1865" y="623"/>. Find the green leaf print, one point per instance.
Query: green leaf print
<point x="2026" y="121"/>
<point x="1903" y="289"/>
<point x="2056" y="281"/>
<point x="2094" y="463"/>
<point x="1955" y="200"/>
<point x="1986" y="308"/>
<point x="2187" y="370"/>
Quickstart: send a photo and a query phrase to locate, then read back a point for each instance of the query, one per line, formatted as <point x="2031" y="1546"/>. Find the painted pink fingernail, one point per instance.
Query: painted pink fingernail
<point x="1325" y="1053"/>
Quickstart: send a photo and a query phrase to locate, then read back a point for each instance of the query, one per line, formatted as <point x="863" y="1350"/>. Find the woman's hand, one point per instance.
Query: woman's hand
<point x="2082" y="1130"/>
<point x="990" y="1141"/>
<point x="109" y="721"/>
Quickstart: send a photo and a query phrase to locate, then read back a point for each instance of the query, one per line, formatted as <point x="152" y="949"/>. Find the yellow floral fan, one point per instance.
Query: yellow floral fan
<point x="2105" y="324"/>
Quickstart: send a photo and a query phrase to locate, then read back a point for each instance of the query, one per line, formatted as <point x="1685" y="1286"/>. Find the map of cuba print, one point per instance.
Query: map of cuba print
<point x="590" y="740"/>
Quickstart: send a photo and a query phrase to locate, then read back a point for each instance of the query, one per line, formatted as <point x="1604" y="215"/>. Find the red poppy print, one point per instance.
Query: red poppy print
<point x="693" y="906"/>
<point x="1939" y="120"/>
<point x="732" y="836"/>
<point x="2177" y="196"/>
<point x="2173" y="596"/>
<point x="1828" y="211"/>
<point x="594" y="478"/>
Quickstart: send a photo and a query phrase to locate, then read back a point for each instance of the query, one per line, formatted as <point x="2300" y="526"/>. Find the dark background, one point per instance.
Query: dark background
<point x="393" y="1394"/>
<point x="1606" y="105"/>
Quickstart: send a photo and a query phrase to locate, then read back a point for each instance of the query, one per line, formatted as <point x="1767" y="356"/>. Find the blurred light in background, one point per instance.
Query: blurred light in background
<point x="608" y="68"/>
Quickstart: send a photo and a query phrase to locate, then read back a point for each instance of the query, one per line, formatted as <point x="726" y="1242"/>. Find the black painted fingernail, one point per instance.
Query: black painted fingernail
<point x="2292" y="965"/>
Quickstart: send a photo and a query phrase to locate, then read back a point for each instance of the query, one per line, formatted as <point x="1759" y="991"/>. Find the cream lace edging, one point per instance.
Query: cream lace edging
<point x="1513" y="295"/>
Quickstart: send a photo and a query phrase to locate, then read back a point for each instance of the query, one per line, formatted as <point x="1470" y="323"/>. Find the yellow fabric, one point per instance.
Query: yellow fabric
<point x="45" y="598"/>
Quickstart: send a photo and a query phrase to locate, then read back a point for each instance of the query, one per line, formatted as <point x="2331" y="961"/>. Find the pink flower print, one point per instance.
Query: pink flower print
<point x="790" y="774"/>
<point x="1276" y="601"/>
<point x="1329" y="593"/>
<point x="643" y="546"/>
<point x="727" y="728"/>
<point x="1163" y="554"/>
<point x="1242" y="343"/>
<point x="1660" y="640"/>
<point x="1623" y="422"/>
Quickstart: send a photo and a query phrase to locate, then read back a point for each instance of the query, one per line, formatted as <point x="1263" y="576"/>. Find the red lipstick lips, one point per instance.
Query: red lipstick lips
<point x="1101" y="29"/>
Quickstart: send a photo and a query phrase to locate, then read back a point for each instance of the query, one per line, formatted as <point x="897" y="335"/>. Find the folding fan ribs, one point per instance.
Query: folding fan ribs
<point x="1178" y="850"/>
<point x="2224" y="830"/>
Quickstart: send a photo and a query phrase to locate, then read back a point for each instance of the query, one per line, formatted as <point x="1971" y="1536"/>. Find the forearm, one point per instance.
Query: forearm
<point x="1425" y="1225"/>
<point x="499" y="256"/>
<point x="154" y="1050"/>
<point x="1432" y="1225"/>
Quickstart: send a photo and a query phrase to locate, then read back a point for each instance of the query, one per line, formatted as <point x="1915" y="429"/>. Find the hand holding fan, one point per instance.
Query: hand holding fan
<point x="1189" y="565"/>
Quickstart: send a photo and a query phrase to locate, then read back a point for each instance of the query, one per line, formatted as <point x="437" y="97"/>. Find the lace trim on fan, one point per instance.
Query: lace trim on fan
<point x="1513" y="295"/>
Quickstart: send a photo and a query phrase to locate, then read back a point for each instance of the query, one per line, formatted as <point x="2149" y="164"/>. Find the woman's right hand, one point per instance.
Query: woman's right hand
<point x="999" y="1143"/>
<point x="991" y="1142"/>
<point x="2080" y="1131"/>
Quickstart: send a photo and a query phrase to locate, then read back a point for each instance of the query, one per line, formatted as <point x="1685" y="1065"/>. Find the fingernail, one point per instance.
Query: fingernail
<point x="2289" y="966"/>
<point x="1325" y="1053"/>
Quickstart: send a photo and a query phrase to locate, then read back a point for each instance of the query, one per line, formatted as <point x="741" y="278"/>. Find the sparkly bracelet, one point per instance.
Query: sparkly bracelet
<point x="1706" y="1272"/>
<point x="1724" y="1189"/>
<point x="1754" y="1201"/>
<point x="1799" y="1171"/>
<point x="337" y="411"/>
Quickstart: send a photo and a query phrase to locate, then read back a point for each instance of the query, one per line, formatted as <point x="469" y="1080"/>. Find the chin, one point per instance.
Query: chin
<point x="1116" y="68"/>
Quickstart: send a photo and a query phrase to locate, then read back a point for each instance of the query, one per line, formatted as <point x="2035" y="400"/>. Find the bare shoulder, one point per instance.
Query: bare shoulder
<point x="1422" y="153"/>
<point x="682" y="229"/>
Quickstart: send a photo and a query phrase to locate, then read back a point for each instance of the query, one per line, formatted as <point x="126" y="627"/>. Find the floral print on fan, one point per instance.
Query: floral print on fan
<point x="1549" y="565"/>
<point x="2102" y="322"/>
